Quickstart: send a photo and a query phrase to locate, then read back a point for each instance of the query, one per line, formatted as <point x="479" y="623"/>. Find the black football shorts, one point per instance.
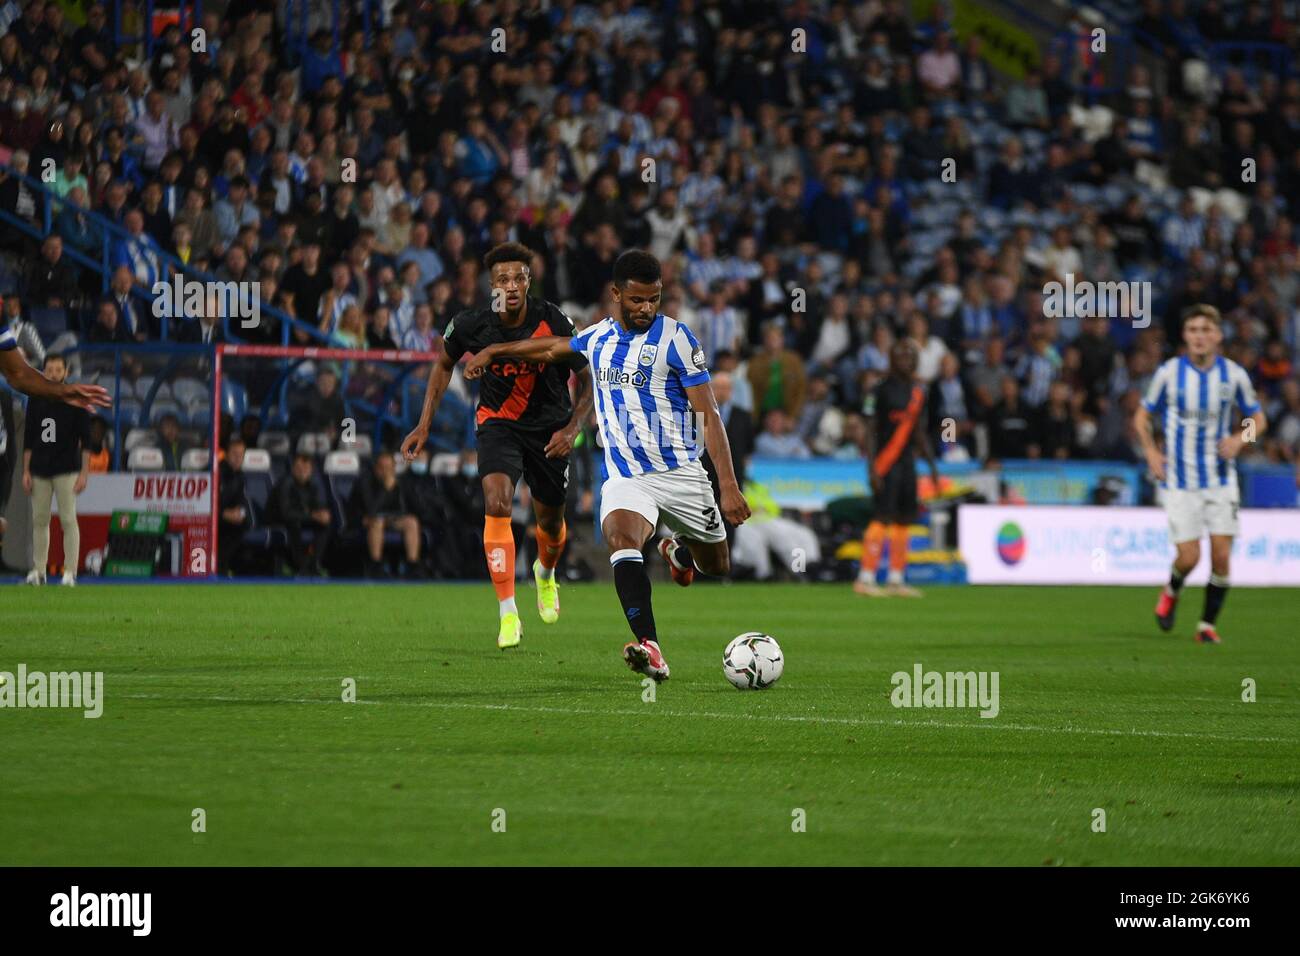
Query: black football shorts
<point x="514" y="452"/>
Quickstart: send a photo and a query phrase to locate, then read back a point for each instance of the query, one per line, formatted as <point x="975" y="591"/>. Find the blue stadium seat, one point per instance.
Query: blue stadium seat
<point x="159" y="409"/>
<point x="234" y="399"/>
<point x="49" y="322"/>
<point x="186" y="390"/>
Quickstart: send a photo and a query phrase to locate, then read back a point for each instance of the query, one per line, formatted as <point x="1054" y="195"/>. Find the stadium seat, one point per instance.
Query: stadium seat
<point x="187" y="390"/>
<point x="446" y="463"/>
<point x="234" y="399"/>
<point x="128" y="411"/>
<point x="140" y="438"/>
<point x="362" y="445"/>
<point x="145" y="458"/>
<point x="198" y="415"/>
<point x="159" y="409"/>
<point x="275" y="442"/>
<point x="50" y="322"/>
<point x="140" y="387"/>
<point x="344" y="462"/>
<point x="195" y="459"/>
<point x="257" y="461"/>
<point x="313" y="443"/>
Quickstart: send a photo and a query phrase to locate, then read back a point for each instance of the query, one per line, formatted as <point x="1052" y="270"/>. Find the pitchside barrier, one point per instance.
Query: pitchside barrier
<point x="1028" y="544"/>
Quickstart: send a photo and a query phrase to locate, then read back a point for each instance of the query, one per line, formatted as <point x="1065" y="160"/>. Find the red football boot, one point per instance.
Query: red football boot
<point x="681" y="575"/>
<point x="645" y="657"/>
<point x="1165" y="608"/>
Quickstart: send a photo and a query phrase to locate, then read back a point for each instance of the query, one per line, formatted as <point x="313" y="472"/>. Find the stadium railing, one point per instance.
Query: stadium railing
<point x="109" y="232"/>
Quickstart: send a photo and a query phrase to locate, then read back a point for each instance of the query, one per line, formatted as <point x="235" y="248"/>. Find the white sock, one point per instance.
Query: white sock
<point x="895" y="577"/>
<point x="544" y="573"/>
<point x="508" y="607"/>
<point x="867" y="577"/>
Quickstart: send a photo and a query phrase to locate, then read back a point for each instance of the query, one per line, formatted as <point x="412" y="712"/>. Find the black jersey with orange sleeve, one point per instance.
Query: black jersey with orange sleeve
<point x="898" y="410"/>
<point x="517" y="392"/>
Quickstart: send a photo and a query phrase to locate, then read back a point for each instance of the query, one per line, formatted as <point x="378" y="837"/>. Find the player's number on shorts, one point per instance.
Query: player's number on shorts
<point x="711" y="516"/>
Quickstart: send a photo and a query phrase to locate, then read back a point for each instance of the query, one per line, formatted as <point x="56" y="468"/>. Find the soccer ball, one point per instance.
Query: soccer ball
<point x="753" y="661"/>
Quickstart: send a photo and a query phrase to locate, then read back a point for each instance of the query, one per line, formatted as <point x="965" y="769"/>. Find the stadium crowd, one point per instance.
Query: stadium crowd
<point x="793" y="190"/>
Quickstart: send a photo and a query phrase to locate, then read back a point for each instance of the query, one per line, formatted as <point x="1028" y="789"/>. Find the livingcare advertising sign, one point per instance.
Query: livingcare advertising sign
<point x="1028" y="544"/>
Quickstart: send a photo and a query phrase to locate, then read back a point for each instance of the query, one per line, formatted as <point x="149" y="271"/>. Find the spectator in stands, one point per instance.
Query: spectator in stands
<point x="1025" y="105"/>
<point x="323" y="410"/>
<point x="108" y="328"/>
<point x="950" y="409"/>
<point x="169" y="442"/>
<point x="939" y="68"/>
<point x="134" y="316"/>
<point x="24" y="331"/>
<point x="1052" y="426"/>
<point x="20" y="200"/>
<point x="138" y="253"/>
<point x="738" y="423"/>
<point x="379" y="503"/>
<point x="776" y="375"/>
<point x="1009" y="423"/>
<point x="101" y="456"/>
<point x="56" y="462"/>
<point x="52" y="278"/>
<point x="307" y="282"/>
<point x="298" y="503"/>
<point x="236" y="511"/>
<point x="930" y="348"/>
<point x="157" y="130"/>
<point x="778" y="439"/>
<point x="235" y="211"/>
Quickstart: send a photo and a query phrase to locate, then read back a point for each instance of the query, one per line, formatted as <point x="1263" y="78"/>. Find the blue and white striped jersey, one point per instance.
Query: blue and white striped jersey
<point x="1197" y="407"/>
<point x="640" y="380"/>
<point x="7" y="339"/>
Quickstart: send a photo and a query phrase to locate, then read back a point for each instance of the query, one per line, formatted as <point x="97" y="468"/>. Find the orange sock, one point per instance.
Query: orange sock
<point x="899" y="536"/>
<point x="872" y="543"/>
<point x="499" y="546"/>
<point x="549" y="549"/>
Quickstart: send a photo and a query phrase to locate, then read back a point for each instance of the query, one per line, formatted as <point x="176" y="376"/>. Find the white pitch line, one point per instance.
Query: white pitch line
<point x="990" y="724"/>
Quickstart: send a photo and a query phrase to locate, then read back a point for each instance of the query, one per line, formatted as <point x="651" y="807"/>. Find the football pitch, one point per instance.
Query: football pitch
<point x="229" y="700"/>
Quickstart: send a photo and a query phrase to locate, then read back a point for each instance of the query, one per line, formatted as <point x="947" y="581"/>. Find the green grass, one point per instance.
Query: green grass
<point x="228" y="698"/>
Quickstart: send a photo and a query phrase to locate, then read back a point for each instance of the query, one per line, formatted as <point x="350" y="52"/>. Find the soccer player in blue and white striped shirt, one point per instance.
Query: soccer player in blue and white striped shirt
<point x="1193" y="394"/>
<point x="652" y="385"/>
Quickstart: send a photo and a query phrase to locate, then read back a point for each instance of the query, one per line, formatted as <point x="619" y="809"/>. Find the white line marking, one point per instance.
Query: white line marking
<point x="993" y="724"/>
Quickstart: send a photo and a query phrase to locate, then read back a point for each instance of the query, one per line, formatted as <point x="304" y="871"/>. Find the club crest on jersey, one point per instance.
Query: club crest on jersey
<point x="1225" y="390"/>
<point x="648" y="353"/>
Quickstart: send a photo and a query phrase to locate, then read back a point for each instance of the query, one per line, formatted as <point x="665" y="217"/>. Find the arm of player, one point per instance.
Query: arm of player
<point x="734" y="507"/>
<point x="439" y="378"/>
<point x="30" y="382"/>
<point x="869" y="449"/>
<point x="1230" y="445"/>
<point x="921" y="439"/>
<point x="1155" y="460"/>
<point x="561" y="442"/>
<point x="544" y="348"/>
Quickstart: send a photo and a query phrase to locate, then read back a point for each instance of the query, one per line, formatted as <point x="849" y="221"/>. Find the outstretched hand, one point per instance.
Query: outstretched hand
<point x="88" y="397"/>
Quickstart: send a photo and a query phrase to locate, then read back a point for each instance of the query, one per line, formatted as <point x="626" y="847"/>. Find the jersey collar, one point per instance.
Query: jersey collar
<point x="626" y="333"/>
